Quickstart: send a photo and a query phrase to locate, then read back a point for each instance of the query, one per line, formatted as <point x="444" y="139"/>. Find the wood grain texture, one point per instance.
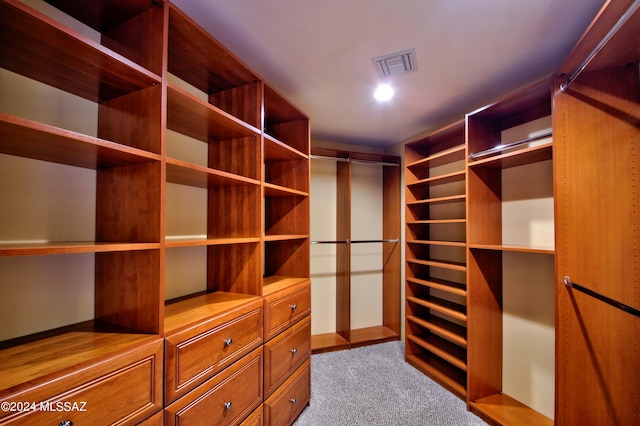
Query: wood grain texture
<point x="598" y="246"/>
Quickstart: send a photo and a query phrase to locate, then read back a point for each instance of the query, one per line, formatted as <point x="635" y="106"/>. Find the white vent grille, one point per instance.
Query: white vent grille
<point x="396" y="63"/>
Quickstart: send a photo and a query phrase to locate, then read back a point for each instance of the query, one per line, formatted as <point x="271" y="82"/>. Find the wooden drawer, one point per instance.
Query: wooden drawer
<point x="286" y="307"/>
<point x="284" y="353"/>
<point x="255" y="418"/>
<point x="286" y="403"/>
<point x="156" y="420"/>
<point x="195" y="354"/>
<point x="225" y="399"/>
<point x="123" y="389"/>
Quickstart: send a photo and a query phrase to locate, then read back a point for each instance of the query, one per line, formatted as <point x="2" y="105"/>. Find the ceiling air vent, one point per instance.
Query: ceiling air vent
<point x="396" y="63"/>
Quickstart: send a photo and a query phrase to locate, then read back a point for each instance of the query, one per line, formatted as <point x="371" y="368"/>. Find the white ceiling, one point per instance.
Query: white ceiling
<point x="469" y="52"/>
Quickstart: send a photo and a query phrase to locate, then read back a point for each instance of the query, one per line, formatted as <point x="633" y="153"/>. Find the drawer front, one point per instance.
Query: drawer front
<point x="155" y="420"/>
<point x="225" y="399"/>
<point x="286" y="404"/>
<point x="255" y="418"/>
<point x="284" y="353"/>
<point x="190" y="360"/>
<point x="290" y="307"/>
<point x="127" y="393"/>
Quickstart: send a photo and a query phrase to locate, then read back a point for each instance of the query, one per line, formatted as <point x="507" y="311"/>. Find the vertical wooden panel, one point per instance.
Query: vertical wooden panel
<point x="343" y="251"/>
<point x="596" y="136"/>
<point x="391" y="251"/>
<point x="127" y="289"/>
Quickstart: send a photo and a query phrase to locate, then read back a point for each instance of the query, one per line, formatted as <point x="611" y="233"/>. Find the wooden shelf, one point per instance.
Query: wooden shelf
<point x="184" y="173"/>
<point x="39" y="48"/>
<point x="275" y="283"/>
<point x="328" y="342"/>
<point x="72" y="247"/>
<point x="442" y="285"/>
<point x="435" y="222"/>
<point x="372" y="335"/>
<point x="452" y="332"/>
<point x="195" y="118"/>
<point x="439" y="179"/>
<point x="443" y="349"/>
<point x="48" y="143"/>
<point x="447" y="156"/>
<point x="455" y="266"/>
<point x="505" y="410"/>
<point x="271" y="190"/>
<point x="196" y="309"/>
<point x="276" y="238"/>
<point x="440" y="371"/>
<point x="274" y="150"/>
<point x="446" y="307"/>
<point x="195" y="242"/>
<point x="522" y="249"/>
<point x="447" y="199"/>
<point x="65" y="349"/>
<point x="438" y="243"/>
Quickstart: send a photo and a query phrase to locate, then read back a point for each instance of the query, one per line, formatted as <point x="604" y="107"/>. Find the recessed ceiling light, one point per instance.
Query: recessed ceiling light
<point x="383" y="93"/>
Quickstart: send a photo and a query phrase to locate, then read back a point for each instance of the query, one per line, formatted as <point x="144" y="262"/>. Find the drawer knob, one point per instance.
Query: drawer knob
<point x="228" y="342"/>
<point x="294" y="351"/>
<point x="293" y="400"/>
<point x="294" y="307"/>
<point x="227" y="405"/>
<point x="66" y="423"/>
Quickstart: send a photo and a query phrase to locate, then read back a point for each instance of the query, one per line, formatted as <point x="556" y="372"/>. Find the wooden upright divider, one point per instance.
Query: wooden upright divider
<point x="597" y="127"/>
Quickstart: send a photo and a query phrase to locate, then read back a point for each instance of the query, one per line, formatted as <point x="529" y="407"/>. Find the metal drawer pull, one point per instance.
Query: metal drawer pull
<point x="294" y="307"/>
<point x="66" y="423"/>
<point x="294" y="351"/>
<point x="227" y="405"/>
<point x="293" y="400"/>
<point x="228" y="342"/>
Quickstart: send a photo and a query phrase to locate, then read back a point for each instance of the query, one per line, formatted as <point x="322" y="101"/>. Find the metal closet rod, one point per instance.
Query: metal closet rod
<point x="354" y="160"/>
<point x="391" y="240"/>
<point x="499" y="148"/>
<point x="623" y="20"/>
<point x="616" y="304"/>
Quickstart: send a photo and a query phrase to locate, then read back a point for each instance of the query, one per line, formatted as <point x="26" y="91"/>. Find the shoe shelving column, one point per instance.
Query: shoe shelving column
<point x="436" y="290"/>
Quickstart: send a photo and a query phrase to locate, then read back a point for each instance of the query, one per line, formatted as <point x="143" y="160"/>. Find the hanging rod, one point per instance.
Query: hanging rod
<point x="623" y="20"/>
<point x="352" y="160"/>
<point x="499" y="148"/>
<point x="392" y="240"/>
<point x="628" y="309"/>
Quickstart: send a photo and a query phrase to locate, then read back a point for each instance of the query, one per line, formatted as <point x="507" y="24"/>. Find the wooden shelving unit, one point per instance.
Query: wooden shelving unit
<point x="200" y="208"/>
<point x="346" y="336"/>
<point x="489" y="242"/>
<point x="436" y="291"/>
<point x="286" y="190"/>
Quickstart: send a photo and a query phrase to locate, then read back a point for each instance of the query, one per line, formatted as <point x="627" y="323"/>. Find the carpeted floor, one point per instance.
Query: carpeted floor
<point x="372" y="386"/>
